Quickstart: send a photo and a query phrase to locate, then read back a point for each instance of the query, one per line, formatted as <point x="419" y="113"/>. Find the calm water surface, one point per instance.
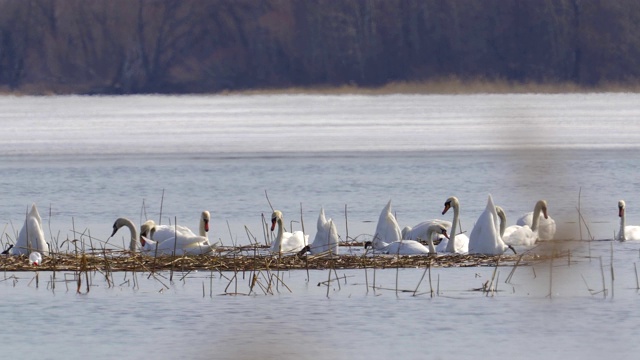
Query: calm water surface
<point x="87" y="160"/>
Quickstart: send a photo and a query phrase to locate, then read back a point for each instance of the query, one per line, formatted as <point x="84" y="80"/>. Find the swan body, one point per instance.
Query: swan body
<point x="31" y="237"/>
<point x="161" y="233"/>
<point x="525" y="235"/>
<point x="387" y="230"/>
<point x="183" y="244"/>
<point x="546" y="225"/>
<point x="459" y="243"/>
<point x="626" y="232"/>
<point x="326" y="239"/>
<point x="413" y="247"/>
<point x="485" y="236"/>
<point x="286" y="242"/>
<point x="124" y="222"/>
<point x="419" y="232"/>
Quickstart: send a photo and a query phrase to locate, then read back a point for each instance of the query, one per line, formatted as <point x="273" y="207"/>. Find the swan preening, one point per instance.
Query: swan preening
<point x="31" y="237"/>
<point x="286" y="242"/>
<point x="181" y="244"/>
<point x="163" y="232"/>
<point x="546" y="225"/>
<point x="413" y="247"/>
<point x="326" y="239"/>
<point x="626" y="232"/>
<point x="525" y="235"/>
<point x="485" y="236"/>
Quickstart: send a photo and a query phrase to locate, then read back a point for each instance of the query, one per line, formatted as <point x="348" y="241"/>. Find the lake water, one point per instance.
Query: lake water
<point x="87" y="160"/>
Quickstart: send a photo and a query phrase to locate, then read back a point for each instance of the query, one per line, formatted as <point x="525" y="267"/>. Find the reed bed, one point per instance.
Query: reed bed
<point x="241" y="259"/>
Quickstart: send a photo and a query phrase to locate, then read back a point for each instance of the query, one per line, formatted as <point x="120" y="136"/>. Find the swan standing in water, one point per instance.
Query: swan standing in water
<point x="182" y="244"/>
<point x="286" y="242"/>
<point x="387" y="230"/>
<point x="413" y="247"/>
<point x="546" y="225"/>
<point x="326" y="240"/>
<point x="161" y="233"/>
<point x="456" y="243"/>
<point x="31" y="237"/>
<point x="626" y="232"/>
<point x="525" y="235"/>
<point x="485" y="237"/>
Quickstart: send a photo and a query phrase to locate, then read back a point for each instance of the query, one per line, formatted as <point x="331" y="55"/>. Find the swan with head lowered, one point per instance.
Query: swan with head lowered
<point x="546" y="225"/>
<point x="485" y="236"/>
<point x="525" y="235"/>
<point x="456" y="243"/>
<point x="387" y="230"/>
<point x="31" y="237"/>
<point x="629" y="232"/>
<point x="413" y="247"/>
<point x="420" y="231"/>
<point x="124" y="222"/>
<point x="286" y="242"/>
<point x="161" y="233"/>
<point x="326" y="239"/>
<point x="182" y="244"/>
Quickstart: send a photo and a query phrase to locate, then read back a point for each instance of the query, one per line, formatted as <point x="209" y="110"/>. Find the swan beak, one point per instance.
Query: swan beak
<point x="620" y="211"/>
<point x="206" y="225"/>
<point x="115" y="230"/>
<point x="446" y="208"/>
<point x="143" y="242"/>
<point x="512" y="249"/>
<point x="273" y="224"/>
<point x="444" y="233"/>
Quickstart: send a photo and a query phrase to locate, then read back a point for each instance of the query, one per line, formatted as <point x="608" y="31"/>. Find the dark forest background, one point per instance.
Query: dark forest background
<point x="195" y="46"/>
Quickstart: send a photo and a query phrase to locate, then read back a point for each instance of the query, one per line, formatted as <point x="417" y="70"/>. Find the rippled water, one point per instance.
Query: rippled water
<point x="88" y="160"/>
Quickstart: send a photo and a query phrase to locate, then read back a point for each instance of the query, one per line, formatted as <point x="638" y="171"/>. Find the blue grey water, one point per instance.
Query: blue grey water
<point x="87" y="160"/>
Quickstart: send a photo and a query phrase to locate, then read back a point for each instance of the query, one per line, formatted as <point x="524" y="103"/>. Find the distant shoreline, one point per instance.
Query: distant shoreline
<point x="447" y="86"/>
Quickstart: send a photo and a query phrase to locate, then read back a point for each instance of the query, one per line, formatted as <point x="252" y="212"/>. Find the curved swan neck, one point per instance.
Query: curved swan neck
<point x="454" y="226"/>
<point x="503" y="220"/>
<point x="536" y="215"/>
<point x="133" y="245"/>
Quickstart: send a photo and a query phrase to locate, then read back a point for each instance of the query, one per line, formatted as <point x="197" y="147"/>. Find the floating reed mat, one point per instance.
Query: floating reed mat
<point x="124" y="261"/>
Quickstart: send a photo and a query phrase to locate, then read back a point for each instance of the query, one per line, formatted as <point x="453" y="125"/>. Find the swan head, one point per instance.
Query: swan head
<point x="542" y="204"/>
<point x="275" y="217"/>
<point x="35" y="258"/>
<point x="621" y="207"/>
<point x="368" y="244"/>
<point x="120" y="222"/>
<point x="439" y="229"/>
<point x="146" y="231"/>
<point x="451" y="202"/>
<point x="206" y="217"/>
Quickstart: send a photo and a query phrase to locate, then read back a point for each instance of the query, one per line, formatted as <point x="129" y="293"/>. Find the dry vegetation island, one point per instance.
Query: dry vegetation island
<point x="365" y="46"/>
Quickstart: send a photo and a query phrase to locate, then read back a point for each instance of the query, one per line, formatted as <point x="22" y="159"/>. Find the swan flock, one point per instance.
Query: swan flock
<point x="489" y="234"/>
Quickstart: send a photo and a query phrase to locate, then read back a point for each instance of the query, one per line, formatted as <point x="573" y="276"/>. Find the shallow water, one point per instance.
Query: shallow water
<point x="88" y="160"/>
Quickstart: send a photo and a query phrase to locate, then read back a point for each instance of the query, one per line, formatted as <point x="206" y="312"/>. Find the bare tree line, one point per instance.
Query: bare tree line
<point x="185" y="46"/>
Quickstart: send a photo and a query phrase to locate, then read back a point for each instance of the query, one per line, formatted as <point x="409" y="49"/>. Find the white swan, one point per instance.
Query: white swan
<point x="503" y="220"/>
<point x="546" y="225"/>
<point x="161" y="233"/>
<point x="419" y="232"/>
<point x="286" y="242"/>
<point x="413" y="247"/>
<point x="35" y="258"/>
<point x="525" y="235"/>
<point x="120" y="222"/>
<point x="326" y="240"/>
<point x="456" y="243"/>
<point x="183" y="244"/>
<point x="485" y="235"/>
<point x="387" y="230"/>
<point x="626" y="232"/>
<point x="31" y="237"/>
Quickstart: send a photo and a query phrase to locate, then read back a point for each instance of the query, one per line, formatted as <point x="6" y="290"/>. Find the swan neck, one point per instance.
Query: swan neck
<point x="133" y="245"/>
<point x="536" y="217"/>
<point x="621" y="235"/>
<point x="201" y="230"/>
<point x="454" y="229"/>
<point x="279" y="236"/>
